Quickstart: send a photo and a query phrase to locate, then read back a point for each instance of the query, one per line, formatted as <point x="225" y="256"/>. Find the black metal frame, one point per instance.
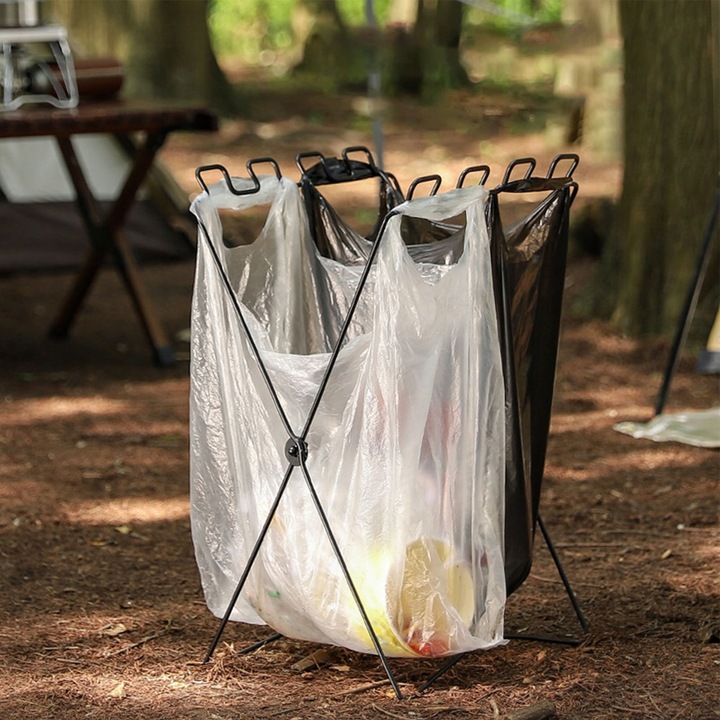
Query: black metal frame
<point x="296" y="450"/>
<point x="689" y="307"/>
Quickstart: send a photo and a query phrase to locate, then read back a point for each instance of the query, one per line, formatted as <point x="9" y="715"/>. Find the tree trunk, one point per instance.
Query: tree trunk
<point x="672" y="160"/>
<point x="426" y="60"/>
<point x="421" y="53"/>
<point x="329" y="53"/>
<point x="164" y="46"/>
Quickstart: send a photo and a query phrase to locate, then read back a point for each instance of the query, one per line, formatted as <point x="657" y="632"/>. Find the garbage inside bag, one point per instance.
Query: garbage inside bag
<point x="405" y="449"/>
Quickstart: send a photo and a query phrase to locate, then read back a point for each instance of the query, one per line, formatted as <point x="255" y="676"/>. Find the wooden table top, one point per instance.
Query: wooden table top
<point x="104" y="117"/>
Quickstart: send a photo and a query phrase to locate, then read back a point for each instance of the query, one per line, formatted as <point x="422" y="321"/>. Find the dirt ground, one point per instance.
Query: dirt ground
<point x="102" y="615"/>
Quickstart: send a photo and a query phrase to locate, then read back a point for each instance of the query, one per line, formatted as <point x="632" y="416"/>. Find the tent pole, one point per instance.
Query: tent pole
<point x="375" y="82"/>
<point x="689" y="308"/>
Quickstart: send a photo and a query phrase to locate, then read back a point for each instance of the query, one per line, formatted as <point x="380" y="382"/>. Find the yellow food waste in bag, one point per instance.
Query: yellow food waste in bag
<point x="415" y="609"/>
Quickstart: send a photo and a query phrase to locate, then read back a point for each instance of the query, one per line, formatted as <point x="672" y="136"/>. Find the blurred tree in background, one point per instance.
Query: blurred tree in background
<point x="671" y="165"/>
<point x="669" y="135"/>
<point x="164" y="46"/>
<point x="169" y="48"/>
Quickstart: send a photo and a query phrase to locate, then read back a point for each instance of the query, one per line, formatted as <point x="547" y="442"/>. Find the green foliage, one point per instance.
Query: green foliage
<point x="260" y="32"/>
<point x="512" y="16"/>
<point x="245" y="29"/>
<point x="353" y="11"/>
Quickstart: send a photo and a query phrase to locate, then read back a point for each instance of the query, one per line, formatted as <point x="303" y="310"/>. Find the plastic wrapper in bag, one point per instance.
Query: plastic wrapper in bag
<point x="405" y="451"/>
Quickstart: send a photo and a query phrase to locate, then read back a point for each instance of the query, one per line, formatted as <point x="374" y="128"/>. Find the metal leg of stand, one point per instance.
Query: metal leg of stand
<point x="447" y="665"/>
<point x="451" y="662"/>
<point x="255" y="551"/>
<point x="573" y="642"/>
<point x="260" y="643"/>
<point x="249" y="564"/>
<point x="348" y="579"/>
<point x="563" y="576"/>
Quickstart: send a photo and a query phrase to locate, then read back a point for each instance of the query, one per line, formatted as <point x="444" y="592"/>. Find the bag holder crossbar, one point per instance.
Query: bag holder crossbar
<point x="329" y="171"/>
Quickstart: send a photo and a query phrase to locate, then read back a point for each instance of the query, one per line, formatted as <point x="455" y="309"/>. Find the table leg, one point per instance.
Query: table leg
<point x="105" y="231"/>
<point x="60" y="326"/>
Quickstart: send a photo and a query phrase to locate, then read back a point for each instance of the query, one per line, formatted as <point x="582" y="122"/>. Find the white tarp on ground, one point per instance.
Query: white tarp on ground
<point x="694" y="427"/>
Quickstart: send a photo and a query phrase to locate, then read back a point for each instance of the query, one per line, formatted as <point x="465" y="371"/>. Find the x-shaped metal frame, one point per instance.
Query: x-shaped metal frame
<point x="296" y="453"/>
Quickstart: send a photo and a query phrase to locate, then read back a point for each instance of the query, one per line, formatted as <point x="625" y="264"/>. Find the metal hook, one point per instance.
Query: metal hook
<point x="572" y="157"/>
<point x="228" y="180"/>
<point x="208" y="168"/>
<point x="484" y="169"/>
<point x="257" y="161"/>
<point x="393" y="181"/>
<point x="309" y="154"/>
<point x="436" y="179"/>
<point x="573" y="192"/>
<point x="362" y="149"/>
<point x="516" y="163"/>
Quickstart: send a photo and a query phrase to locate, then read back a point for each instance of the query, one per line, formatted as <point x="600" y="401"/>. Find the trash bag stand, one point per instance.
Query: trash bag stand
<point x="296" y="450"/>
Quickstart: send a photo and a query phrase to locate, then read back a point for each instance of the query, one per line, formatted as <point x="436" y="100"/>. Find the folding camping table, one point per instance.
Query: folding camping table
<point x="152" y="123"/>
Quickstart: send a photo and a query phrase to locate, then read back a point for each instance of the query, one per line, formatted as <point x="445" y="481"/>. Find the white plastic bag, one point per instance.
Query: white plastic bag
<point x="406" y="450"/>
<point x="700" y="428"/>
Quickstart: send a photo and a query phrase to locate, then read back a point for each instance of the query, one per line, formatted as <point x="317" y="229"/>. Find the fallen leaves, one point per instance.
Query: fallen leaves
<point x="113" y="630"/>
<point x="118" y="692"/>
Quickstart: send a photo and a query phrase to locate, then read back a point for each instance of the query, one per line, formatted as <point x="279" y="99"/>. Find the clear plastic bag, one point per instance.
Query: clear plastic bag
<point x="406" y="449"/>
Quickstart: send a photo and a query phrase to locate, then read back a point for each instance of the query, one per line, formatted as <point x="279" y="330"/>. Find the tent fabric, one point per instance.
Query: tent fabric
<point x="42" y="228"/>
<point x="48" y="236"/>
<point x="407" y="449"/>
<point x="32" y="169"/>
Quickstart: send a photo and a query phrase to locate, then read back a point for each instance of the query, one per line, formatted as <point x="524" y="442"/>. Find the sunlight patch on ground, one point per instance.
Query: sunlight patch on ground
<point x="645" y="458"/>
<point x="573" y="422"/>
<point x="639" y="461"/>
<point x="28" y="412"/>
<point x="127" y="510"/>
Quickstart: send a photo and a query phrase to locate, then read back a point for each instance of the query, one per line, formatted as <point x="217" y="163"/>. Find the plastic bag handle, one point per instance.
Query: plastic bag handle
<point x="436" y="179"/>
<point x="484" y="169"/>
